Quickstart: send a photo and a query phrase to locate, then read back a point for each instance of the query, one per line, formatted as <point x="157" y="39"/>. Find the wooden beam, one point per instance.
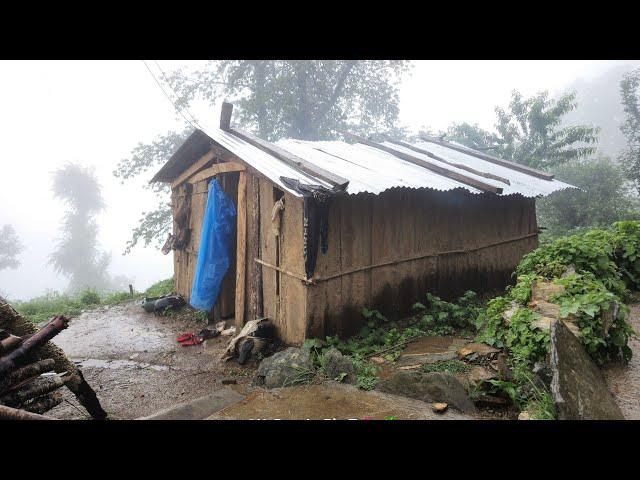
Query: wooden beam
<point x="472" y="182"/>
<point x="457" y="165"/>
<point x="225" y="116"/>
<point x="489" y="158"/>
<point x="292" y="160"/>
<point x="241" y="248"/>
<point x="199" y="165"/>
<point x="216" y="169"/>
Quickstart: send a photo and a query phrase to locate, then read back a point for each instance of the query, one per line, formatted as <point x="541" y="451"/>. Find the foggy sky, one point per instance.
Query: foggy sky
<point x="95" y="112"/>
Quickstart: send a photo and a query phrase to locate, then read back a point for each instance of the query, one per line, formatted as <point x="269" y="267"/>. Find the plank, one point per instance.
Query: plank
<point x="472" y="182"/>
<point x="241" y="247"/>
<point x="253" y="278"/>
<point x="453" y="164"/>
<point x="216" y="169"/>
<point x="198" y="165"/>
<point x="292" y="160"/>
<point x="489" y="158"/>
<point x="225" y="115"/>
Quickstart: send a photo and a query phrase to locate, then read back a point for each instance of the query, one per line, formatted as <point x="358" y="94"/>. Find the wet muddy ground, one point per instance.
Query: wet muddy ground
<point x="624" y="380"/>
<point x="132" y="360"/>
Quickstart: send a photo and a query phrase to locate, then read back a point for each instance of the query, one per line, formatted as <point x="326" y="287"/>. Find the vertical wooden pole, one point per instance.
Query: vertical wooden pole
<point x="241" y="249"/>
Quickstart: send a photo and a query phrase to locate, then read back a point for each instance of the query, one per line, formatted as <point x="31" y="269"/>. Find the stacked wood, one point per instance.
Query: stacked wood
<point x="25" y="356"/>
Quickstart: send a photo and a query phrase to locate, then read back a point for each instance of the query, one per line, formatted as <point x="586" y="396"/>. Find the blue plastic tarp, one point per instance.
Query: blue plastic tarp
<point x="217" y="243"/>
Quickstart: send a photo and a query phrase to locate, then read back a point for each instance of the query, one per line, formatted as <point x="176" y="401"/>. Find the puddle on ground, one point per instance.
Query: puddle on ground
<point x="118" y="364"/>
<point x="328" y="401"/>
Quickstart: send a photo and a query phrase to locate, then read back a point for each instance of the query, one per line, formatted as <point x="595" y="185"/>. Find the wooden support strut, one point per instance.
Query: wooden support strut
<point x="292" y="160"/>
<point x="457" y="165"/>
<point x="472" y="182"/>
<point x="216" y="169"/>
<point x="489" y="158"/>
<point x="193" y="169"/>
<point x="241" y="248"/>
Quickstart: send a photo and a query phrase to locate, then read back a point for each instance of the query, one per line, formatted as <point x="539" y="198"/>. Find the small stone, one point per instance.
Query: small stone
<point x="439" y="407"/>
<point x="378" y="360"/>
<point x="337" y="366"/>
<point x="478" y="375"/>
<point x="479" y="348"/>
<point x="524" y="416"/>
<point x="510" y="312"/>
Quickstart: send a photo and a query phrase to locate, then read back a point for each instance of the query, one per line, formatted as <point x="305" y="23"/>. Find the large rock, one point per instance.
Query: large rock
<point x="284" y="368"/>
<point x="578" y="387"/>
<point x="338" y="366"/>
<point x="429" y="387"/>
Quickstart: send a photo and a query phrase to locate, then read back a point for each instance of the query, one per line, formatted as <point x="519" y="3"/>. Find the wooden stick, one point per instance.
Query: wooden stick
<point x="44" y="403"/>
<point x="8" y="413"/>
<point x="457" y="165"/>
<point x="194" y="168"/>
<point x="32" y="370"/>
<point x="472" y="182"/>
<point x="292" y="160"/>
<point x="40" y="386"/>
<point x="241" y="248"/>
<point x="16" y="358"/>
<point x="489" y="158"/>
<point x="282" y="270"/>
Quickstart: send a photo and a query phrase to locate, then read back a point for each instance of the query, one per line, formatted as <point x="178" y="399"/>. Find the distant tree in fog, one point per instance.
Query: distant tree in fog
<point x="77" y="256"/>
<point x="630" y="157"/>
<point x="530" y="132"/>
<point x="10" y="248"/>
<point x="305" y="99"/>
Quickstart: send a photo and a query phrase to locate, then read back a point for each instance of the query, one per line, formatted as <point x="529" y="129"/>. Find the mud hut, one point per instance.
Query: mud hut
<point x="327" y="228"/>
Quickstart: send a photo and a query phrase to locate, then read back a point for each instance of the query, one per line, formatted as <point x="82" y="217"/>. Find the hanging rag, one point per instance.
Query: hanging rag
<point x="316" y="200"/>
<point x="276" y="216"/>
<point x="216" y="245"/>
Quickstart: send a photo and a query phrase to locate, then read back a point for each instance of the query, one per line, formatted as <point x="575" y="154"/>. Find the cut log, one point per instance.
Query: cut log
<point x="9" y="343"/>
<point x="44" y="403"/>
<point x="489" y="158"/>
<point x="13" y="322"/>
<point x="19" y="356"/>
<point x="293" y="161"/>
<point x="8" y="413"/>
<point x="21" y="374"/>
<point x="40" y="386"/>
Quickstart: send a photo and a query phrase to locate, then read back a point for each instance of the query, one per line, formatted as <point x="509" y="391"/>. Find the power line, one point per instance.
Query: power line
<point x="169" y="98"/>
<point x="175" y="93"/>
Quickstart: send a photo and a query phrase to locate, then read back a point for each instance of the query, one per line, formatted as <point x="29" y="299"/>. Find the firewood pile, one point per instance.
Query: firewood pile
<point x="33" y="370"/>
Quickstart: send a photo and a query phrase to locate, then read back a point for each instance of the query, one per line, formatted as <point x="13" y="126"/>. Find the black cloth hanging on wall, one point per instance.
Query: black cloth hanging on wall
<point x="316" y="220"/>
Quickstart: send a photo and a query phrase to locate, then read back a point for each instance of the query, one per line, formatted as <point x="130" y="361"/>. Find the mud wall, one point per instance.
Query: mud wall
<point x="399" y="224"/>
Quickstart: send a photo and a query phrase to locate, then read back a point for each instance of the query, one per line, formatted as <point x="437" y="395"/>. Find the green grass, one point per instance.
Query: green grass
<point x="41" y="309"/>
<point x="158" y="289"/>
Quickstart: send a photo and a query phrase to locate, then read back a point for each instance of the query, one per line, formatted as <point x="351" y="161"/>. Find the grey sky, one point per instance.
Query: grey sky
<point x="95" y="112"/>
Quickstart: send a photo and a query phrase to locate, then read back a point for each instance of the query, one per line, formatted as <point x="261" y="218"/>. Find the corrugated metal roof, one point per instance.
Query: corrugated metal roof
<point x="371" y="170"/>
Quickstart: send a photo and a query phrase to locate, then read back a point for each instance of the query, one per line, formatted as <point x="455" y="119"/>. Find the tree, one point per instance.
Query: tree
<point x="76" y="255"/>
<point x="630" y="157"/>
<point x="604" y="197"/>
<point x="529" y="132"/>
<point x="10" y="248"/>
<point x="305" y="99"/>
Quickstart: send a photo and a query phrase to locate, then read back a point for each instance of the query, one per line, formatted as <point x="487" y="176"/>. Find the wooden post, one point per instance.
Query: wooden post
<point x="225" y="115"/>
<point x="241" y="248"/>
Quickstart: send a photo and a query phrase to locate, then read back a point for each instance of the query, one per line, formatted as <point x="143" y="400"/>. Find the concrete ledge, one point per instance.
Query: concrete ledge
<point x="198" y="409"/>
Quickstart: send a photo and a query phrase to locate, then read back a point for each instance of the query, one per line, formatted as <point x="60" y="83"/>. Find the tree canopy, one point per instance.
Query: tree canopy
<point x="10" y="248"/>
<point x="530" y="132"/>
<point x="304" y="99"/>
<point x="630" y="157"/>
<point x="76" y="255"/>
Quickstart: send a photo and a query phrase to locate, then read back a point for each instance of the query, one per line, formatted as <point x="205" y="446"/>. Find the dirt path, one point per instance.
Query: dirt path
<point x="624" y="380"/>
<point x="133" y="362"/>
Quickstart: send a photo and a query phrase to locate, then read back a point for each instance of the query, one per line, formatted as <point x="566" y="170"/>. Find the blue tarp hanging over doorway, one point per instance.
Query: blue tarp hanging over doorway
<point x="216" y="248"/>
